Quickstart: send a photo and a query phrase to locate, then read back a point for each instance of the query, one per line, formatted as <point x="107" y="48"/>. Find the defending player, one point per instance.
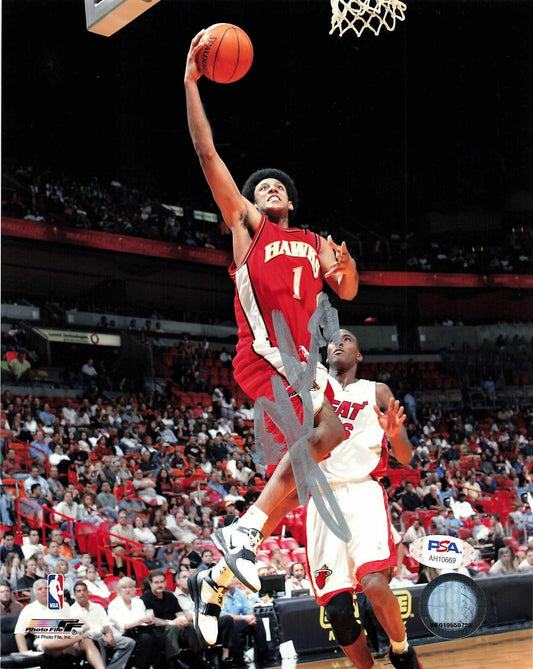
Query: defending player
<point x="369" y="414"/>
<point x="275" y="267"/>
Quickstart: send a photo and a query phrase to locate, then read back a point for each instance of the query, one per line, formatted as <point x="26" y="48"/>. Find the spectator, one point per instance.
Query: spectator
<point x="415" y="531"/>
<point x="26" y="582"/>
<point x="11" y="468"/>
<point x="207" y="560"/>
<point x="163" y="534"/>
<point x="174" y="631"/>
<point x="171" y="557"/>
<point x="33" y="544"/>
<point x="497" y="532"/>
<point x="52" y="555"/>
<point x="145" y="488"/>
<point x="67" y="507"/>
<point x="20" y="366"/>
<point x="121" y="532"/>
<point x="409" y="500"/>
<point x="12" y="569"/>
<point x="89" y="375"/>
<point x="8" y="605"/>
<point x="35" y="477"/>
<point x="526" y="566"/>
<point x="504" y="563"/>
<point x="106" y="502"/>
<point x="87" y="511"/>
<point x="462" y="508"/>
<point x="231" y="513"/>
<point x="195" y="556"/>
<point x="95" y="617"/>
<point x="238" y="607"/>
<point x="150" y="560"/>
<point x="128" y="616"/>
<point x="472" y="489"/>
<point x="63" y="567"/>
<point x="297" y="579"/>
<point x="69" y="644"/>
<point x="227" y="407"/>
<point x="141" y="532"/>
<point x="432" y="500"/>
<point x="279" y="561"/>
<point x="39" y="450"/>
<point x="95" y="585"/>
<point x="85" y="563"/>
<point x="480" y="532"/>
<point x="9" y="546"/>
<point x="57" y="489"/>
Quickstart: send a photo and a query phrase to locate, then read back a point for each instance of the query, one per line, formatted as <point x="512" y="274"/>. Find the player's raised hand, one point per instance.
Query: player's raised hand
<point x="191" y="67"/>
<point x="344" y="263"/>
<point x="392" y="419"/>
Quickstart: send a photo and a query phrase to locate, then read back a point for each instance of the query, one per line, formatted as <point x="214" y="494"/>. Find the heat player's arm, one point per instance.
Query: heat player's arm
<point x="391" y="417"/>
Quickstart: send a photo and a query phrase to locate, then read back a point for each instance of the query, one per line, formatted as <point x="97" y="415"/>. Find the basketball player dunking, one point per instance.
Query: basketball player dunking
<point x="369" y="414"/>
<point x="275" y="267"/>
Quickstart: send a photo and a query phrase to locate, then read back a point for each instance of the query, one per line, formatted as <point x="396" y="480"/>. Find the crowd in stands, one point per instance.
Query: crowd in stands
<point x="67" y="200"/>
<point x="150" y="477"/>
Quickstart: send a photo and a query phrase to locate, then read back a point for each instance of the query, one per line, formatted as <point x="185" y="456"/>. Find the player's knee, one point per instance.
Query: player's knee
<point x="376" y="588"/>
<point x="341" y="615"/>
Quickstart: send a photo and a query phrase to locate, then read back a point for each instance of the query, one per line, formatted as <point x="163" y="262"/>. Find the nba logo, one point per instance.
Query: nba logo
<point x="55" y="591"/>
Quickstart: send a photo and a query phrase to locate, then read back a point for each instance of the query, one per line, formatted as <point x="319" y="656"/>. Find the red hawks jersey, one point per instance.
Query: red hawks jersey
<point x="363" y="454"/>
<point x="281" y="271"/>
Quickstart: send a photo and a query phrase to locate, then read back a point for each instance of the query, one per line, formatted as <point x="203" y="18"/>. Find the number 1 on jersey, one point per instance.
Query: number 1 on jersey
<point x="297" y="271"/>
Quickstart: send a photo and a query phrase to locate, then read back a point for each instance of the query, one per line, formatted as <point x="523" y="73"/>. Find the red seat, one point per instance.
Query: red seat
<point x="99" y="600"/>
<point x="299" y="555"/>
<point x="111" y="582"/>
<point x="269" y="543"/>
<point x="140" y="570"/>
<point x="288" y="542"/>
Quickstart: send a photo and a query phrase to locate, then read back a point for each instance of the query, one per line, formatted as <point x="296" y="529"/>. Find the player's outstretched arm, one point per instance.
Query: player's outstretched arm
<point x="391" y="417"/>
<point x="338" y="268"/>
<point x="235" y="209"/>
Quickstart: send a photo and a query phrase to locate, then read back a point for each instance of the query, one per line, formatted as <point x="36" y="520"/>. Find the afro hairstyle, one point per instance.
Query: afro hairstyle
<point x="271" y="173"/>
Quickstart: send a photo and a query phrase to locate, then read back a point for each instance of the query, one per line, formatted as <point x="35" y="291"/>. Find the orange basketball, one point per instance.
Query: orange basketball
<point x="227" y="54"/>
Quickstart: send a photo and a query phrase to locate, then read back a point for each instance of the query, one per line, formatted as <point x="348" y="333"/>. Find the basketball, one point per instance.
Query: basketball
<point x="227" y="54"/>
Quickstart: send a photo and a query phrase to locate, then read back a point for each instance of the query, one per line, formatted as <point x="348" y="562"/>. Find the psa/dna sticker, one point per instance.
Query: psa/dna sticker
<point x="441" y="550"/>
<point x="452" y="606"/>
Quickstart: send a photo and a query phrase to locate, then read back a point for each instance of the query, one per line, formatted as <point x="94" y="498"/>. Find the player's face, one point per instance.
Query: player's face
<point x="271" y="198"/>
<point x="346" y="353"/>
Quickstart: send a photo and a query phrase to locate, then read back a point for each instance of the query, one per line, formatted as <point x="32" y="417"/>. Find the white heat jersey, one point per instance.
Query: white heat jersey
<point x="363" y="454"/>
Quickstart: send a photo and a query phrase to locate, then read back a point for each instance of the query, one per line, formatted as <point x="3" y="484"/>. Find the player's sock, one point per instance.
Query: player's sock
<point x="254" y="518"/>
<point x="221" y="573"/>
<point x="399" y="647"/>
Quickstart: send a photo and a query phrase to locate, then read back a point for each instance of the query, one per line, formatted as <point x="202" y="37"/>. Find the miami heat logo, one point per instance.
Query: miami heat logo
<point x="321" y="576"/>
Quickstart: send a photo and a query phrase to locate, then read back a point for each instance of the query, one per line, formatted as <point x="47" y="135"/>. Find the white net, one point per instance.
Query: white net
<point x="360" y="14"/>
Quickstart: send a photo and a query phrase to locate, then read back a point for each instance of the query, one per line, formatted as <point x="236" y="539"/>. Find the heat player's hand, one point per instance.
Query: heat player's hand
<point x="392" y="420"/>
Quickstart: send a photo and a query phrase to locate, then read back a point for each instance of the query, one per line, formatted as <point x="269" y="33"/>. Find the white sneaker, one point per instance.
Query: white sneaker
<point x="208" y="598"/>
<point x="239" y="545"/>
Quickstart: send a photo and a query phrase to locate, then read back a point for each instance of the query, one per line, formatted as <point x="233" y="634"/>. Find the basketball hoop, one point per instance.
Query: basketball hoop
<point x="360" y="14"/>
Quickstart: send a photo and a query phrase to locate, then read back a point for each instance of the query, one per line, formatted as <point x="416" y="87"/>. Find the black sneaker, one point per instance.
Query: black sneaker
<point x="407" y="660"/>
<point x="208" y="598"/>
